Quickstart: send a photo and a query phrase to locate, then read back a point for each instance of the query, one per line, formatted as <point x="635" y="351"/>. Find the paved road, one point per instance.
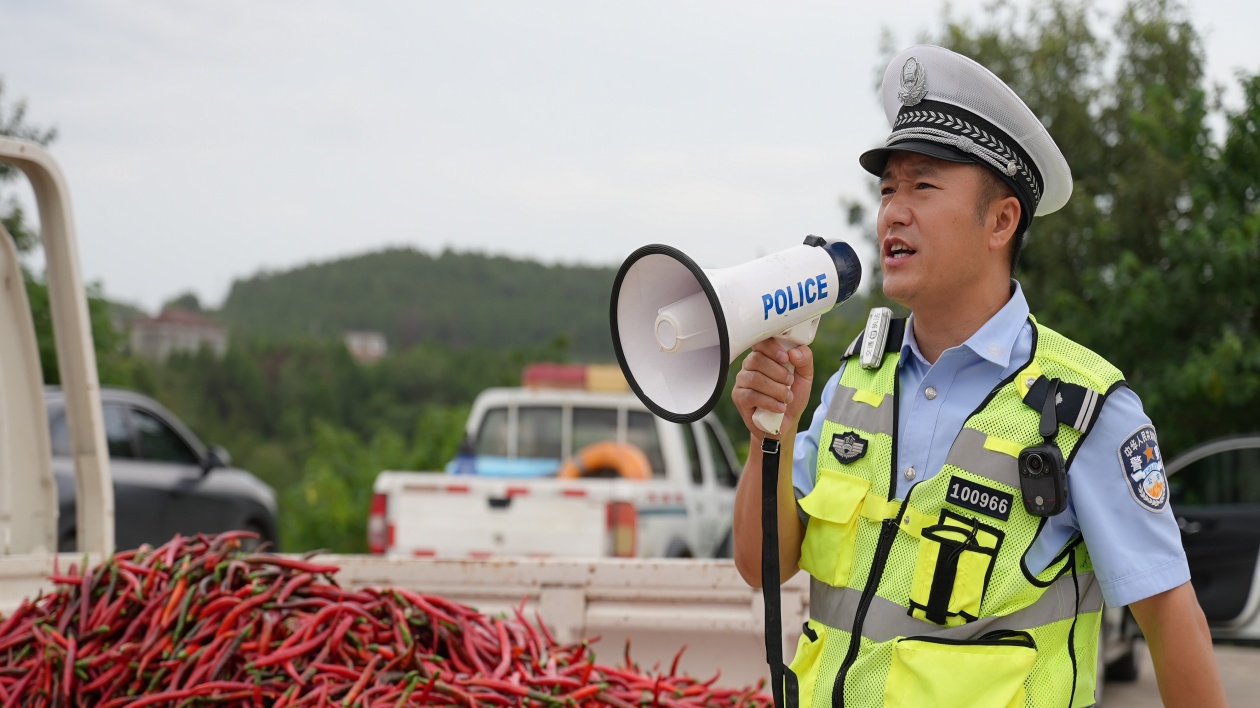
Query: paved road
<point x="1240" y="671"/>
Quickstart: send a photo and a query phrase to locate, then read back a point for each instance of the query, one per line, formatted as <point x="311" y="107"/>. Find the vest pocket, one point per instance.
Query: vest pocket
<point x="953" y="569"/>
<point x="988" y="672"/>
<point x="807" y="661"/>
<point x="830" y="537"/>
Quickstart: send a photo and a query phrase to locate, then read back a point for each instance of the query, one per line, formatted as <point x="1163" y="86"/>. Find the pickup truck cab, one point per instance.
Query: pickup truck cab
<point x="512" y="496"/>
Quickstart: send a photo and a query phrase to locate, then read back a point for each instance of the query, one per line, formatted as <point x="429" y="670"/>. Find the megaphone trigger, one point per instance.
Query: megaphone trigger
<point x="676" y="327"/>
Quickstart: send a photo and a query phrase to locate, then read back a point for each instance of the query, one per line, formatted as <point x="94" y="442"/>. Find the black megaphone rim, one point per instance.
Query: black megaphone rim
<point x="723" y="340"/>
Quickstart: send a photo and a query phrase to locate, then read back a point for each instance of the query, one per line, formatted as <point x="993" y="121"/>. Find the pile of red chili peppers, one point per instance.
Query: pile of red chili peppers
<point x="201" y="622"/>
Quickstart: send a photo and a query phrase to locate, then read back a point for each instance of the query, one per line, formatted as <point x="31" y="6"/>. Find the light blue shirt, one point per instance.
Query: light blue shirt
<point x="1136" y="552"/>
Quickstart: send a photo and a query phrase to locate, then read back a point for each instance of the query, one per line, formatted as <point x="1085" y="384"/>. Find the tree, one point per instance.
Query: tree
<point x="13" y="124"/>
<point x="184" y="301"/>
<point x="1151" y="262"/>
<point x="328" y="507"/>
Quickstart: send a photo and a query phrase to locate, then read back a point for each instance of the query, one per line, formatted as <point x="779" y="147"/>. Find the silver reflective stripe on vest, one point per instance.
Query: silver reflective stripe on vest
<point x="863" y="416"/>
<point x="886" y="620"/>
<point x="968" y="453"/>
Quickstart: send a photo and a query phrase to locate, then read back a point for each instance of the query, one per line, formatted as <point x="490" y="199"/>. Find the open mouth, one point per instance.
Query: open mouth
<point x="897" y="250"/>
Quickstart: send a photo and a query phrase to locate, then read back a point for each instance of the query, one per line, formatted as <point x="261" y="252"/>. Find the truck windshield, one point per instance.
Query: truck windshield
<point x="592" y="425"/>
<point x="721" y="463"/>
<point x="539" y="431"/>
<point x="641" y="432"/>
<point x="492" y="439"/>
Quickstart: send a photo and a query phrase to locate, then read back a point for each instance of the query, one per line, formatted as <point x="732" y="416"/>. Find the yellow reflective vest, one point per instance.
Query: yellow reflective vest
<point x="927" y="601"/>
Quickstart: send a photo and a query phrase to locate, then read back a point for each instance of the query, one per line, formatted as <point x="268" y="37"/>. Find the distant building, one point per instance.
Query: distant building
<point x="177" y="330"/>
<point x="366" y="347"/>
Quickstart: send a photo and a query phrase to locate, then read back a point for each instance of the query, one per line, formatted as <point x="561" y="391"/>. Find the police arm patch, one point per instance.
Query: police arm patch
<point x="1143" y="468"/>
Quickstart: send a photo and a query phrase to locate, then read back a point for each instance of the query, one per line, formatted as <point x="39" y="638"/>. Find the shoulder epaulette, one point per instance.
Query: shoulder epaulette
<point x="1077" y="406"/>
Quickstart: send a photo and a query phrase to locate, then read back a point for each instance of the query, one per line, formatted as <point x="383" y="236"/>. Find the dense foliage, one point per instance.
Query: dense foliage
<point x="1152" y="262"/>
<point x="318" y="426"/>
<point x="462" y="300"/>
<point x="1149" y="264"/>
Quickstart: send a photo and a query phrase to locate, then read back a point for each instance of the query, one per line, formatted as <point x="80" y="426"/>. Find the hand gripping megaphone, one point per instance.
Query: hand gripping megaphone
<point x="676" y="328"/>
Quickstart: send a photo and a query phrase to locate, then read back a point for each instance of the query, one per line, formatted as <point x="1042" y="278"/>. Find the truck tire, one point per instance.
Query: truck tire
<point x="678" y="548"/>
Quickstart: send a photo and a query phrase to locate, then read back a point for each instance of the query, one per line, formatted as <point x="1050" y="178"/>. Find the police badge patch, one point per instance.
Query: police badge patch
<point x="1144" y="469"/>
<point x="848" y="447"/>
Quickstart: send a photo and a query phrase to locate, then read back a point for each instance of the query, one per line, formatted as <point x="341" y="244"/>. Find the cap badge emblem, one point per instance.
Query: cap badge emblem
<point x="913" y="84"/>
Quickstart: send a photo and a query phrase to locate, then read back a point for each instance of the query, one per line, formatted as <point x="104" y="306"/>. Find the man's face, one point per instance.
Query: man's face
<point x="932" y="246"/>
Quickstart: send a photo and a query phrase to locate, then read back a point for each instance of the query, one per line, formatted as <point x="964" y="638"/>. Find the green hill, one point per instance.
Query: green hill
<point x="460" y="299"/>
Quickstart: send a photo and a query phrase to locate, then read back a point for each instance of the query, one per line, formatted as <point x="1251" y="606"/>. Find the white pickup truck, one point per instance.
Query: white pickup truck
<point x="557" y="472"/>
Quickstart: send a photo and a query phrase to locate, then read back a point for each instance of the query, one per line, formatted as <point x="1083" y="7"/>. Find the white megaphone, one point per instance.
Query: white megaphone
<point x="676" y="328"/>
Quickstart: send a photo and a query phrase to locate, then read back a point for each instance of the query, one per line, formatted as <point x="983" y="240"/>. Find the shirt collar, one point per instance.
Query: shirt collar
<point x="994" y="341"/>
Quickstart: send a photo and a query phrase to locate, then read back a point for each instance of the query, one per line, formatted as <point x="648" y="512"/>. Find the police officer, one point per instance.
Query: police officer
<point x="968" y="494"/>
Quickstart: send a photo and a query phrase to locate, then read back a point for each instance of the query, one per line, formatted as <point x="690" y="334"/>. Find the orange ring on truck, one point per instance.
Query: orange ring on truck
<point x="596" y="459"/>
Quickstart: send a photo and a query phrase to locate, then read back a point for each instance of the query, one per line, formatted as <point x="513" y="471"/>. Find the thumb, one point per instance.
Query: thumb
<point x="802" y="360"/>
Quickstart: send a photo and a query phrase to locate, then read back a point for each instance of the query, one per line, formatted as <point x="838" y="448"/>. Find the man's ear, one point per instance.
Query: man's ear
<point x="1003" y="222"/>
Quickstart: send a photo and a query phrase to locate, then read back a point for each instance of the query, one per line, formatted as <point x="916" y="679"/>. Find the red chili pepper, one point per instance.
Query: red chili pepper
<point x="236" y="612"/>
<point x="19" y="689"/>
<point x="294" y="564"/>
<point x="424" y="604"/>
<point x="581" y="693"/>
<point x="177" y="595"/>
<point x="293" y="585"/>
<point x="85" y="592"/>
<point x="293" y="651"/>
<point x="261" y="630"/>
<point x="359" y="685"/>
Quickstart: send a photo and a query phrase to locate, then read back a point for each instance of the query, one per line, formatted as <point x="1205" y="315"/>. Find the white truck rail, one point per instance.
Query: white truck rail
<point x="28" y="495"/>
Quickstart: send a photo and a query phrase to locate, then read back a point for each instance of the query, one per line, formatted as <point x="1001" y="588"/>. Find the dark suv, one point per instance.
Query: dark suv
<point x="165" y="480"/>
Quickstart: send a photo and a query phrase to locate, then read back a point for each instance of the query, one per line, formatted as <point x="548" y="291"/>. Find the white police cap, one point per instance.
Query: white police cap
<point x="945" y="105"/>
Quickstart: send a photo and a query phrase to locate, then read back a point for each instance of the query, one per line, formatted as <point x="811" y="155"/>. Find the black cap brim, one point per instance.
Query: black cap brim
<point x="873" y="161"/>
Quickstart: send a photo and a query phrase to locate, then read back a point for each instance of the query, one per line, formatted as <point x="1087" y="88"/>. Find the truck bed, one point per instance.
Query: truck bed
<point x="659" y="606"/>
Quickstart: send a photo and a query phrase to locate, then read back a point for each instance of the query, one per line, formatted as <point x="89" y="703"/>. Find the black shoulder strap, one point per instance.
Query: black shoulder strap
<point x="1076" y="406"/>
<point x="783" y="685"/>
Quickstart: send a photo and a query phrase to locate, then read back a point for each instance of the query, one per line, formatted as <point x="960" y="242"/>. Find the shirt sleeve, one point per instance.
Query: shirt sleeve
<point x="805" y="451"/>
<point x="1132" y="537"/>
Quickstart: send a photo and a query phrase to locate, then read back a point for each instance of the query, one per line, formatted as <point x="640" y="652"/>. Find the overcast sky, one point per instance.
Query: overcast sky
<point x="206" y="141"/>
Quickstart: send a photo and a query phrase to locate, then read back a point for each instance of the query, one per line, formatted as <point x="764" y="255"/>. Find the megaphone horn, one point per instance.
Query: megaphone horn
<point x="676" y="327"/>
